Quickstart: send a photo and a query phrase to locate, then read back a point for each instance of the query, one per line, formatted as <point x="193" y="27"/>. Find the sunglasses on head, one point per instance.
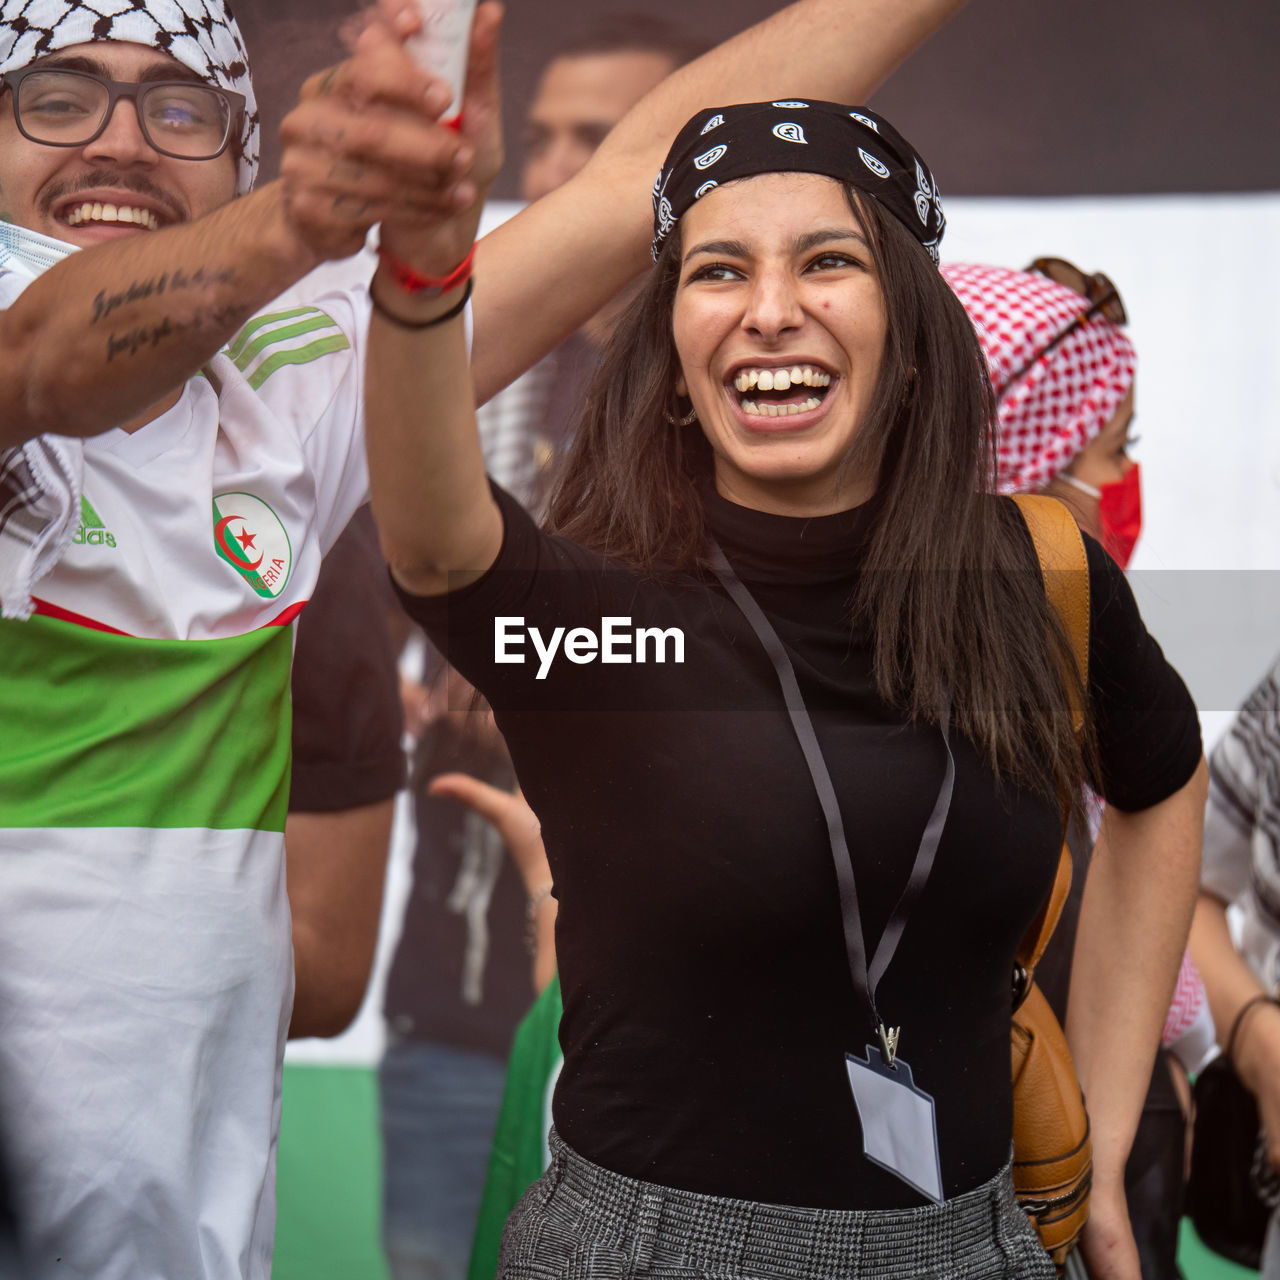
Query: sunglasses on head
<point x="1098" y="290"/>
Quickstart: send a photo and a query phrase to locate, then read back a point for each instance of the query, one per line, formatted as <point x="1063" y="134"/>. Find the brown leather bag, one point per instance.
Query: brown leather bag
<point x="1052" y="1154"/>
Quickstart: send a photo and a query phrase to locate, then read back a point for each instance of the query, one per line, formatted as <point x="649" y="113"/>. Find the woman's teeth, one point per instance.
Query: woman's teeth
<point x="89" y="212"/>
<point x="779" y="410"/>
<point x="781" y="379"/>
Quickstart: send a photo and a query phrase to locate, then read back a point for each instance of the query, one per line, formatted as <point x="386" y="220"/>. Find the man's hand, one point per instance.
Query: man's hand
<point x="365" y="145"/>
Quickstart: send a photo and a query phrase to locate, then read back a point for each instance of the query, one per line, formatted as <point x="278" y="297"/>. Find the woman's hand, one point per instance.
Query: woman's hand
<point x="1137" y="900"/>
<point x="1107" y="1244"/>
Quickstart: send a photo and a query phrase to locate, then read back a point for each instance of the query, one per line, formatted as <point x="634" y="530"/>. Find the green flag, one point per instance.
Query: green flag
<point x="519" y="1155"/>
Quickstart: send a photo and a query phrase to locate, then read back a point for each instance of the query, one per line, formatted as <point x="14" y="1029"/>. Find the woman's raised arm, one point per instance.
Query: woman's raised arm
<point x="437" y="522"/>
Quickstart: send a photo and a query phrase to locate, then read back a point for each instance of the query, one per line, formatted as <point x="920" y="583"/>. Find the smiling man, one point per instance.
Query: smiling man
<point x="64" y="104"/>
<point x="175" y="459"/>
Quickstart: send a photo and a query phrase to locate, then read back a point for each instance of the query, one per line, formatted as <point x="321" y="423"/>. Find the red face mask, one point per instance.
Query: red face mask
<point x="1119" y="513"/>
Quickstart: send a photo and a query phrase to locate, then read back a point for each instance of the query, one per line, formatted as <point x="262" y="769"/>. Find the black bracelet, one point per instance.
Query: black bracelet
<point x="1239" y="1018"/>
<point x="452" y="314"/>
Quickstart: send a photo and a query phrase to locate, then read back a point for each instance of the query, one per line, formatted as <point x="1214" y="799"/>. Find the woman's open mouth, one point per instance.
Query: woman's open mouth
<point x="780" y="391"/>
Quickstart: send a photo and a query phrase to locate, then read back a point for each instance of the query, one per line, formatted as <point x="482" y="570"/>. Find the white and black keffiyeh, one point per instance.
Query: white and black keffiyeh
<point x="40" y="487"/>
<point x="854" y="145"/>
<point x="200" y="34"/>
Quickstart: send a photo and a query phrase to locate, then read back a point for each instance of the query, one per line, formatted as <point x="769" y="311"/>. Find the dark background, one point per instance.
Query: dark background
<point x="1012" y="97"/>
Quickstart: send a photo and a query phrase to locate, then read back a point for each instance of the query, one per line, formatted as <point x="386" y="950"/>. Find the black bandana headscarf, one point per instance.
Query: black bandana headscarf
<point x="851" y="144"/>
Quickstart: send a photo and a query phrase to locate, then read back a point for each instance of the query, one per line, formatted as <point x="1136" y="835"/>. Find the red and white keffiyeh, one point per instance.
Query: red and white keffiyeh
<point x="1066" y="398"/>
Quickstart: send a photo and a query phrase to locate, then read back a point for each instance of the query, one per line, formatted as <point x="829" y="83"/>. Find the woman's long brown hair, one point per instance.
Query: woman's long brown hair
<point x="949" y="586"/>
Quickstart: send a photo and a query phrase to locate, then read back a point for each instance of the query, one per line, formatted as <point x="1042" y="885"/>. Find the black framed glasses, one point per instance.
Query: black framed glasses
<point x="185" y="119"/>
<point x="1098" y="290"/>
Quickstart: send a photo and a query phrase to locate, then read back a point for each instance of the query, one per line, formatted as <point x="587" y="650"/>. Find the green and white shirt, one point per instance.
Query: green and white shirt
<point x="145" y="963"/>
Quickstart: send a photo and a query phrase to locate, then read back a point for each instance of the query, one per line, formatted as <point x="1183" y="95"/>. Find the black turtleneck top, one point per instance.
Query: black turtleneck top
<point x="707" y="999"/>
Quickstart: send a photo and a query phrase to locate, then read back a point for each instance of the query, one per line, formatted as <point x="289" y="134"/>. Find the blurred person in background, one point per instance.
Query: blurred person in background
<point x="596" y="76"/>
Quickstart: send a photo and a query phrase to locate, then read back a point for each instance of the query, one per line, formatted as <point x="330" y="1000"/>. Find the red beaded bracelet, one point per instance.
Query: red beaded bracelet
<point x="415" y="282"/>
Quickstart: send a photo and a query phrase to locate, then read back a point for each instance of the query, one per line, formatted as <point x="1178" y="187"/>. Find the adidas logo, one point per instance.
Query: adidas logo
<point x="92" y="532"/>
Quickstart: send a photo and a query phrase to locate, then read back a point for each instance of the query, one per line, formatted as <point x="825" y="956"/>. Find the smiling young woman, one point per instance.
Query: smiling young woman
<point x="846" y="795"/>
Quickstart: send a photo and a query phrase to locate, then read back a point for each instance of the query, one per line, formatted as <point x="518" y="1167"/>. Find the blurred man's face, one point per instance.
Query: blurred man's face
<point x="579" y="100"/>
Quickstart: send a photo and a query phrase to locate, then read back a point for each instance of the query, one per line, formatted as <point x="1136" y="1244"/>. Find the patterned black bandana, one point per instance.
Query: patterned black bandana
<point x="200" y="34"/>
<point x="850" y="144"/>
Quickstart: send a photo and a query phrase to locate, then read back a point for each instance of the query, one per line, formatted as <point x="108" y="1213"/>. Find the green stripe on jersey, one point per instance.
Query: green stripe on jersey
<point x="239" y="342"/>
<point x="301" y="355"/>
<point x="248" y="354"/>
<point x="104" y="730"/>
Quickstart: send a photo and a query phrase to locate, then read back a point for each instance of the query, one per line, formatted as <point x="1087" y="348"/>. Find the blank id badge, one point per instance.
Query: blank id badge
<point x="899" y="1126"/>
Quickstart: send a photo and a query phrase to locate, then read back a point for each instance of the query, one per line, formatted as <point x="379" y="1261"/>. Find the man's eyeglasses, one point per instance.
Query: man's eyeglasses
<point x="178" y="118"/>
<point x="1103" y="298"/>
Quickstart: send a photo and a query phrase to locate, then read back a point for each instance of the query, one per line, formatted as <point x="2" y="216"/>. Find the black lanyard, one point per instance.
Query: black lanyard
<point x="866" y="978"/>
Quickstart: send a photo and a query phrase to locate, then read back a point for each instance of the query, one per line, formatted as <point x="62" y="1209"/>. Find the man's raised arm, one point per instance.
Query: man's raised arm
<point x="567" y="254"/>
<point x="112" y="331"/>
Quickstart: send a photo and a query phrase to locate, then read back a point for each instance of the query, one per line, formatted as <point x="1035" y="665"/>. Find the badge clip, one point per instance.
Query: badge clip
<point x="888" y="1043"/>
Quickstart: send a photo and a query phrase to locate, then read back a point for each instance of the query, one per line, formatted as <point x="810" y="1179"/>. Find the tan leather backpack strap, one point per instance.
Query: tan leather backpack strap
<point x="1065" y="567"/>
<point x="1036" y="938"/>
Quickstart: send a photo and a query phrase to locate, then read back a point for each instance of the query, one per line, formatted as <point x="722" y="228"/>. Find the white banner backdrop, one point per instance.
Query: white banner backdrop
<point x="1200" y="278"/>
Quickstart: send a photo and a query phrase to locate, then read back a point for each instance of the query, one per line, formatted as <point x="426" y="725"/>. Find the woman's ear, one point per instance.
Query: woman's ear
<point x="682" y="387"/>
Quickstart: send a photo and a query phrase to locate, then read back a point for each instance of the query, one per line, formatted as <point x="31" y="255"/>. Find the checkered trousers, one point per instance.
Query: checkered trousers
<point x="582" y="1222"/>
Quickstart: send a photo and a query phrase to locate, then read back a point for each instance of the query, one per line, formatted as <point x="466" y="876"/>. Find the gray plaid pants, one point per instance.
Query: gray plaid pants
<point x="582" y="1222"/>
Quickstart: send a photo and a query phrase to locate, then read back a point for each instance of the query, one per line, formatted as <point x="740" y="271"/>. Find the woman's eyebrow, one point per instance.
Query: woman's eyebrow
<point x="828" y="235"/>
<point x="726" y="248"/>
